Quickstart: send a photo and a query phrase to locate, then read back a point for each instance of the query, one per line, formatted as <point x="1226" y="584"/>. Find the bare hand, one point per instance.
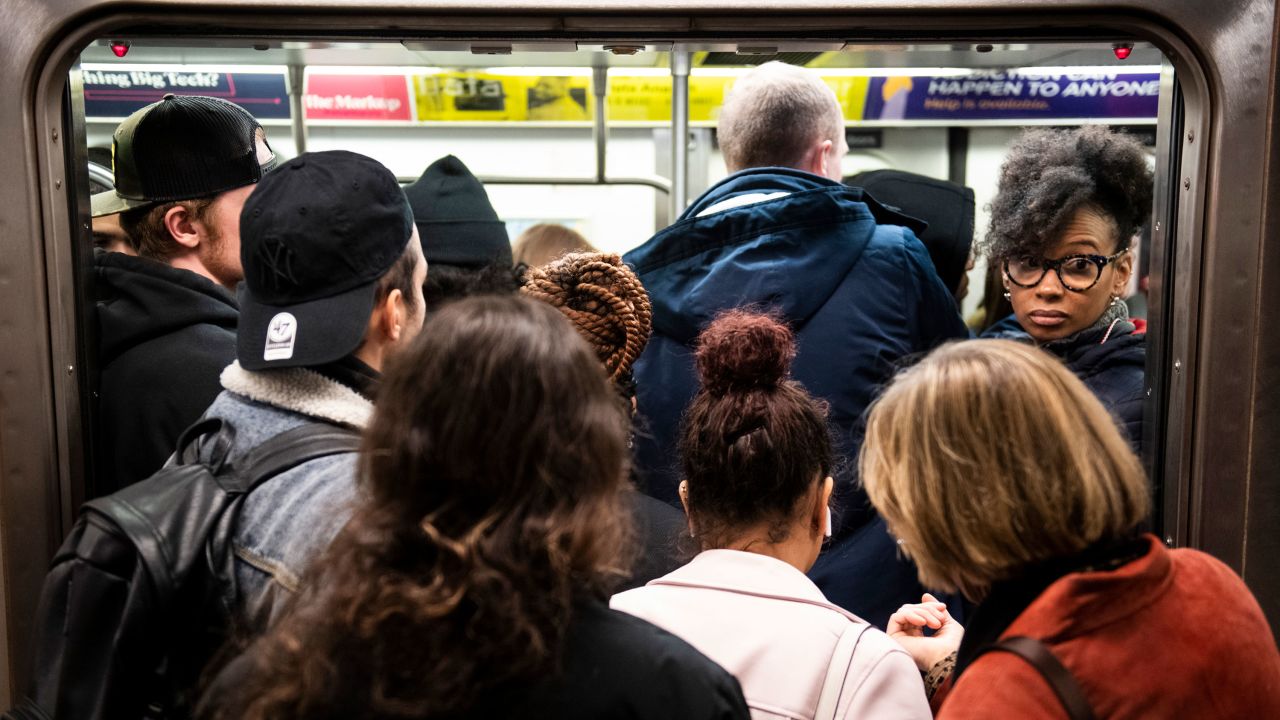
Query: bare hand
<point x="907" y="627"/>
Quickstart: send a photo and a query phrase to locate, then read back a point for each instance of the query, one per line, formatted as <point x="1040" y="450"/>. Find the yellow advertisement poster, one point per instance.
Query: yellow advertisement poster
<point x="470" y="97"/>
<point x="482" y="97"/>
<point x="648" y="98"/>
<point x="639" y="99"/>
<point x="851" y="93"/>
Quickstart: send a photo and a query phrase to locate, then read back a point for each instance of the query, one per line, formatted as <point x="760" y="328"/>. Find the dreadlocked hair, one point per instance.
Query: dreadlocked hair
<point x="605" y="301"/>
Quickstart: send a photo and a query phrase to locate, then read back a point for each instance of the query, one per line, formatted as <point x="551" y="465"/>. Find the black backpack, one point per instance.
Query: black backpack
<point x="138" y="598"/>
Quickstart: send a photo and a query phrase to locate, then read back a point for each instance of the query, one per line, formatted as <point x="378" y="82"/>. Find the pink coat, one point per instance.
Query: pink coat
<point x="765" y="622"/>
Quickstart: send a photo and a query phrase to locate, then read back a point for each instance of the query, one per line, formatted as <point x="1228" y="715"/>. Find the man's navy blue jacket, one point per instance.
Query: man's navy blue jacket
<point x="862" y="298"/>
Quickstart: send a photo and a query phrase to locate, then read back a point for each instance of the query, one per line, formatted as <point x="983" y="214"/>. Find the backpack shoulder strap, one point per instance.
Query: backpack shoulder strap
<point x="191" y="442"/>
<point x="288" y="450"/>
<point x="1060" y="679"/>
<point x="837" y="671"/>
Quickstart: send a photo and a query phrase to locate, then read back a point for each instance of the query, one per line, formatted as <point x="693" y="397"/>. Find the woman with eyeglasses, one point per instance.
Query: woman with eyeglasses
<point x="1067" y="208"/>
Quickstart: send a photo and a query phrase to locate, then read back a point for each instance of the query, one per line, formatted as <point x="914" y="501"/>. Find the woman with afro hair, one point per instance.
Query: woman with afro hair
<point x="1067" y="208"/>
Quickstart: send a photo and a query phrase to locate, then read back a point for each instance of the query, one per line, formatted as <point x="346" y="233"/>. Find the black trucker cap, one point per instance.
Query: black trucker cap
<point x="315" y="238"/>
<point x="183" y="147"/>
<point x="456" y="221"/>
<point x="947" y="207"/>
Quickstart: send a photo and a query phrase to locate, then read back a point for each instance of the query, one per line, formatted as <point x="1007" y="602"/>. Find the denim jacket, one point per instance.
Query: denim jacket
<point x="291" y="518"/>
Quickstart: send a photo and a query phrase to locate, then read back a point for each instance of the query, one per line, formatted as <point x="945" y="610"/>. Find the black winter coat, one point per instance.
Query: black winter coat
<point x="615" y="666"/>
<point x="164" y="337"/>
<point x="659" y="529"/>
<point x="1113" y="370"/>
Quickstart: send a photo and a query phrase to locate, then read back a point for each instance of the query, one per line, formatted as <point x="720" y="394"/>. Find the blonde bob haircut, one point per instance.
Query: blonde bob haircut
<point x="990" y="456"/>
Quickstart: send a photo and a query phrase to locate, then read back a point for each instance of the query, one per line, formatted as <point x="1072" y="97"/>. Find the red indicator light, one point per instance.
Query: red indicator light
<point x="120" y="47"/>
<point x="1122" y="50"/>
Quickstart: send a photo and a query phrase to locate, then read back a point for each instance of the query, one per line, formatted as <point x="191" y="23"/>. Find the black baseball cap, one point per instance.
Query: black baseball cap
<point x="315" y="238"/>
<point x="183" y="147"/>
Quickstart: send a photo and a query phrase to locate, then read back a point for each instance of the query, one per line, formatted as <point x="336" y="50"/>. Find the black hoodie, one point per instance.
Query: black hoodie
<point x="165" y="335"/>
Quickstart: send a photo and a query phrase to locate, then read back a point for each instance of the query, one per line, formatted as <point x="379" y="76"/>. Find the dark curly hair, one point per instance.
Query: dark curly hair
<point x="447" y="283"/>
<point x="605" y="301"/>
<point x="1050" y="174"/>
<point x="491" y="480"/>
<point x="753" y="442"/>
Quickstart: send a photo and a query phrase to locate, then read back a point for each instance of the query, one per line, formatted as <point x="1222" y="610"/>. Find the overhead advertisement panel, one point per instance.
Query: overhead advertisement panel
<point x="647" y="99"/>
<point x="358" y="98"/>
<point x="407" y="96"/>
<point x="117" y="91"/>
<point x="485" y="97"/>
<point x="1020" y="95"/>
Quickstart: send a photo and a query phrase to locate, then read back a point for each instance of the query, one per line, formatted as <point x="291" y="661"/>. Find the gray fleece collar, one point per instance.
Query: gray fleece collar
<point x="301" y="391"/>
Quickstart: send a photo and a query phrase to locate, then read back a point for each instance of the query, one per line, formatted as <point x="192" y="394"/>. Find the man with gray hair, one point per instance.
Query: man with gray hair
<point x="782" y="234"/>
<point x="780" y="115"/>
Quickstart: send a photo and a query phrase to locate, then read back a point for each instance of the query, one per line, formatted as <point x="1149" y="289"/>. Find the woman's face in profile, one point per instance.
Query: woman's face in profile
<point x="1048" y="310"/>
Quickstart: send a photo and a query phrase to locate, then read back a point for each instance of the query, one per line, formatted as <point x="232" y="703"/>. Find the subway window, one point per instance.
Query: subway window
<point x="570" y="146"/>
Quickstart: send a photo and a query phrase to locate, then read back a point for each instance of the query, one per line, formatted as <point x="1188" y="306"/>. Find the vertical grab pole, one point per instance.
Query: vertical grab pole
<point x="600" y="132"/>
<point x="296" y="117"/>
<point x="679" y="132"/>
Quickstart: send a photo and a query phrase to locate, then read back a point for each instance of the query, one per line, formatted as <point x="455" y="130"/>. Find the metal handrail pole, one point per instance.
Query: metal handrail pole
<point x="600" y="131"/>
<point x="679" y="132"/>
<point x="297" y="117"/>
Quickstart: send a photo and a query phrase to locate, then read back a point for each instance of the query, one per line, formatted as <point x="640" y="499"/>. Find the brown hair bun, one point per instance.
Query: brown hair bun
<point x="741" y="350"/>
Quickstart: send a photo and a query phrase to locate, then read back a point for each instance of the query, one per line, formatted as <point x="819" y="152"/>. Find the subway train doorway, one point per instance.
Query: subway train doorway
<point x="573" y="124"/>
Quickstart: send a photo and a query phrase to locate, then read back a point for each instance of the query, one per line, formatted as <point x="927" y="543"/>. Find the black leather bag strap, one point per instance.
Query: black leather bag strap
<point x="190" y="443"/>
<point x="1060" y="680"/>
<point x="288" y="450"/>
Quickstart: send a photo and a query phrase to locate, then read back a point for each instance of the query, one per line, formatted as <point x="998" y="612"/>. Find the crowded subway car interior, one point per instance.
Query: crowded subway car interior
<point x="598" y="127"/>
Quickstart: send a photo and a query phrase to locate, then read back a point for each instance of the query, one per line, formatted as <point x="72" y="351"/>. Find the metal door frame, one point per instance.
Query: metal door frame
<point x="1222" y="429"/>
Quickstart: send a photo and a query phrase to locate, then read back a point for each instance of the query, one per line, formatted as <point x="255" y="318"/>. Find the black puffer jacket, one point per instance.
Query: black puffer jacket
<point x="1113" y="370"/>
<point x="612" y="665"/>
<point x="164" y="336"/>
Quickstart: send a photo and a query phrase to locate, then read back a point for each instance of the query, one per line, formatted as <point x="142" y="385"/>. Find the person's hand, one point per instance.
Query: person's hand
<point x="907" y="627"/>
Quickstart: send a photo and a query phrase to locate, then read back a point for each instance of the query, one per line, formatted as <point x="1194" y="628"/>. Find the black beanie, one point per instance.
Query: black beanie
<point x="947" y="207"/>
<point x="455" y="221"/>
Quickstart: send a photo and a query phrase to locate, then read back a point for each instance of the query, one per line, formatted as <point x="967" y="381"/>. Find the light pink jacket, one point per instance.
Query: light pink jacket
<point x="769" y="625"/>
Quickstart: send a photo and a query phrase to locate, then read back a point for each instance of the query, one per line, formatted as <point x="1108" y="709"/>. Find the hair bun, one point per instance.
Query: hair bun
<point x="742" y="350"/>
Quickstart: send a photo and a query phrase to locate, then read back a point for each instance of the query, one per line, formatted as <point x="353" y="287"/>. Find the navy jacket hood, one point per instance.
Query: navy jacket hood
<point x="769" y="256"/>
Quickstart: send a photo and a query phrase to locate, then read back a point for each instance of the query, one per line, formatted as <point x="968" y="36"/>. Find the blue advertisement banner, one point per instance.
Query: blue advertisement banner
<point x="1015" y="95"/>
<point x="118" y="93"/>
